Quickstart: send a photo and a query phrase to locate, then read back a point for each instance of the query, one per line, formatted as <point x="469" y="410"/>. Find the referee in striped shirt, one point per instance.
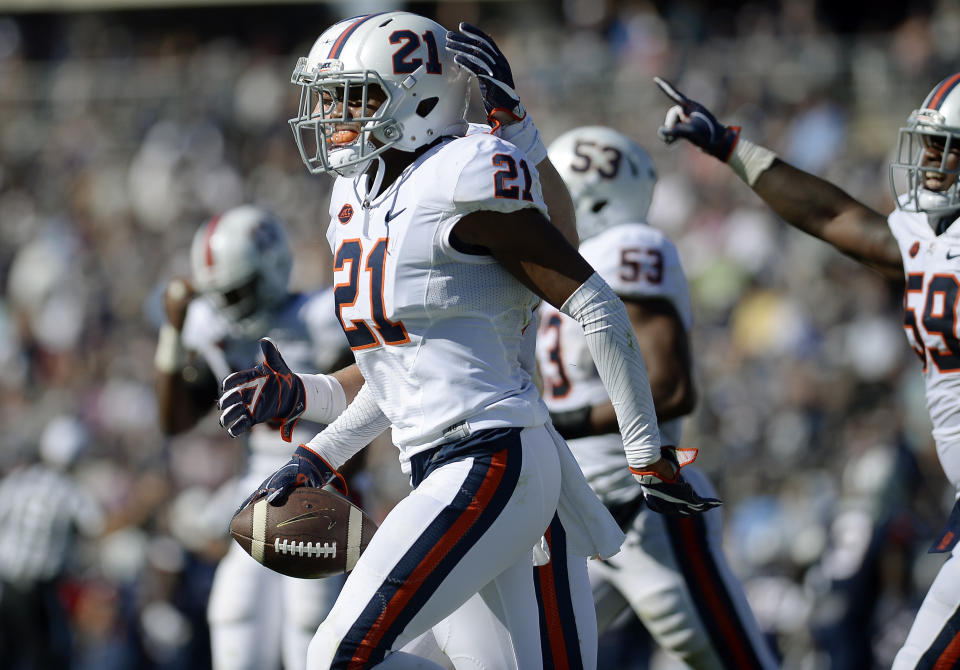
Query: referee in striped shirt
<point x="42" y="510"/>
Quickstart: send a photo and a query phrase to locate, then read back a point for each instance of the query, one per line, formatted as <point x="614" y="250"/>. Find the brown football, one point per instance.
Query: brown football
<point x="315" y="533"/>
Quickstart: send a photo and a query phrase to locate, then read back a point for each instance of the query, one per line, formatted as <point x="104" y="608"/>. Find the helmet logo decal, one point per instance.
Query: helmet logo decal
<point x="914" y="249"/>
<point x="208" y="249"/>
<point x="264" y="235"/>
<point x="338" y="45"/>
<point x="345" y="214"/>
<point x="403" y="66"/>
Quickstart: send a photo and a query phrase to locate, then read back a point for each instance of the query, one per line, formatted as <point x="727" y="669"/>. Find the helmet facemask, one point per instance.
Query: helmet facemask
<point x="926" y="129"/>
<point x="324" y="143"/>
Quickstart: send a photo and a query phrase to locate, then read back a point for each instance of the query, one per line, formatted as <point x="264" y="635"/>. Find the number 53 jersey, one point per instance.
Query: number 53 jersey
<point x="639" y="262"/>
<point x="436" y="332"/>
<point x="931" y="265"/>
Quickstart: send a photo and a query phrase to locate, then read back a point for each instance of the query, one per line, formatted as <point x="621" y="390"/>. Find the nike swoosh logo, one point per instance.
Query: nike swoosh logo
<point x="304" y="517"/>
<point x="392" y="215"/>
<point x="950" y="256"/>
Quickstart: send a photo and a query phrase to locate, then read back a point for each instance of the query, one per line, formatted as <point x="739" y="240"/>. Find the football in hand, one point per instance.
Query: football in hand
<point x="314" y="533"/>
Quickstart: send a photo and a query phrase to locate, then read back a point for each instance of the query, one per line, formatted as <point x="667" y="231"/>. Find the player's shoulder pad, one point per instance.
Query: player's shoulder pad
<point x="489" y="173"/>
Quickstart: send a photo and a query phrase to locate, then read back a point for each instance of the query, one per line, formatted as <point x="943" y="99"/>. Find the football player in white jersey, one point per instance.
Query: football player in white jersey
<point x="238" y="293"/>
<point x="442" y="252"/>
<point x="919" y="243"/>
<point x="671" y="572"/>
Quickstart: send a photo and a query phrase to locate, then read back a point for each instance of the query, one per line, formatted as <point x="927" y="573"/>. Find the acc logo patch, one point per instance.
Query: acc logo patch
<point x="345" y="214"/>
<point x="914" y="249"/>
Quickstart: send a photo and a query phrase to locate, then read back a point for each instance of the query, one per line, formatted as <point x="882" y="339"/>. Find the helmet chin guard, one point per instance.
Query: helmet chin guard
<point x="397" y="57"/>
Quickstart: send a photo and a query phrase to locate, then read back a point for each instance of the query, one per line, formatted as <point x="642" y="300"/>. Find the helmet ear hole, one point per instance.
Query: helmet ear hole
<point x="426" y="106"/>
<point x="598" y="205"/>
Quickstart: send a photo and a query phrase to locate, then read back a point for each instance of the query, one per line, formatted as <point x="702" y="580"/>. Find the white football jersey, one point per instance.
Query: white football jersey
<point x="437" y="333"/>
<point x="308" y="336"/>
<point x="931" y="265"/>
<point x="638" y="262"/>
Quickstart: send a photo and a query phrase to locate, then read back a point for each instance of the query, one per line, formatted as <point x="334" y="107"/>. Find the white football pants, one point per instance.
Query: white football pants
<point x="672" y="572"/>
<point x="467" y="529"/>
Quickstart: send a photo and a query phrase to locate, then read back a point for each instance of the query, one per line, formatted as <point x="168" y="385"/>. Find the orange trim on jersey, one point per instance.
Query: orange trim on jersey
<point x="357" y="323"/>
<point x="383" y="303"/>
<point x="707" y="588"/>
<point x="551" y="610"/>
<point x="418" y="576"/>
<point x="930" y="293"/>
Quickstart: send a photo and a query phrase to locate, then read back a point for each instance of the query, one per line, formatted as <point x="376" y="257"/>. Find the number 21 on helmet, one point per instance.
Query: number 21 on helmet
<point x="397" y="57"/>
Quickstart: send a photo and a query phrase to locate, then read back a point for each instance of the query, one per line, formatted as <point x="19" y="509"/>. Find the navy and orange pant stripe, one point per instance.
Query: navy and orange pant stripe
<point x="559" y="640"/>
<point x="420" y="571"/>
<point x="944" y="653"/>
<point x="715" y="606"/>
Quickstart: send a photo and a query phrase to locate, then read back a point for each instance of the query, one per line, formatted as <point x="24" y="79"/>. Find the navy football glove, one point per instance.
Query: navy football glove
<point x="694" y="122"/>
<point x="674" y="496"/>
<point x="477" y="52"/>
<point x="305" y="468"/>
<point x="268" y="391"/>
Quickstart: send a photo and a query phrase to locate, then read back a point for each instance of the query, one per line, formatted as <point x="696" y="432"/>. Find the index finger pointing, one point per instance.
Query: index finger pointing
<point x="671" y="92"/>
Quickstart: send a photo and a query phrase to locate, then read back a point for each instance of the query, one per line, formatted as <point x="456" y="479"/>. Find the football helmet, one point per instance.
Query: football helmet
<point x="241" y="260"/>
<point x="610" y="177"/>
<point x="936" y="125"/>
<point x="424" y="92"/>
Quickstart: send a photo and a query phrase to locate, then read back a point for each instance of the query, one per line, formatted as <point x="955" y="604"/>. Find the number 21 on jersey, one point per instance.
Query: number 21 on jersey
<point x="362" y="294"/>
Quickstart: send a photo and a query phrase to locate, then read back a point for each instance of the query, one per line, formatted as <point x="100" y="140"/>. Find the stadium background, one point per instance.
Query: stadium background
<point x="124" y="126"/>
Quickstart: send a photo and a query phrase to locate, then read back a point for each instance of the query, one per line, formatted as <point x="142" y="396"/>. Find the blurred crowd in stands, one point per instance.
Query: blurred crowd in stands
<point x="121" y="133"/>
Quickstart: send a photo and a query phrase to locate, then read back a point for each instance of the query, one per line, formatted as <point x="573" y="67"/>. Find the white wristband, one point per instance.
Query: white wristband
<point x="170" y="355"/>
<point x="526" y="137"/>
<point x="325" y="398"/>
<point x="750" y="160"/>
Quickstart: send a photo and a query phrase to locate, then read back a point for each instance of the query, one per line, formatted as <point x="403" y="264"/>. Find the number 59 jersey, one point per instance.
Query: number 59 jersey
<point x="931" y="265"/>
<point x="436" y="332"/>
<point x="638" y="262"/>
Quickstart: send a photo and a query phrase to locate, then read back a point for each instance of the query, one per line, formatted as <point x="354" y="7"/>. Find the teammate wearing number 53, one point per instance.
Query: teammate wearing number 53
<point x="442" y="251"/>
<point x="671" y="572"/>
<point x="918" y="242"/>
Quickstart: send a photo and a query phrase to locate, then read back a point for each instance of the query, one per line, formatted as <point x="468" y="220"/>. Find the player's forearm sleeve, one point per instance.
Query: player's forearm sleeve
<point x="325" y="399"/>
<point x="616" y="353"/>
<point x="359" y="424"/>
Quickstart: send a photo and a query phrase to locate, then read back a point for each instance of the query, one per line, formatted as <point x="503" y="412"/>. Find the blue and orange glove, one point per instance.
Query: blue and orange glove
<point x="477" y="52"/>
<point x="268" y="391"/>
<point x="305" y="468"/>
<point x="692" y="121"/>
<point x="673" y="496"/>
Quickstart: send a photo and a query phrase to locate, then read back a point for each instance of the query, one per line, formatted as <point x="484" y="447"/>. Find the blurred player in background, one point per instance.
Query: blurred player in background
<point x="918" y="242"/>
<point x="442" y="250"/>
<point x="671" y="571"/>
<point x="241" y="262"/>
